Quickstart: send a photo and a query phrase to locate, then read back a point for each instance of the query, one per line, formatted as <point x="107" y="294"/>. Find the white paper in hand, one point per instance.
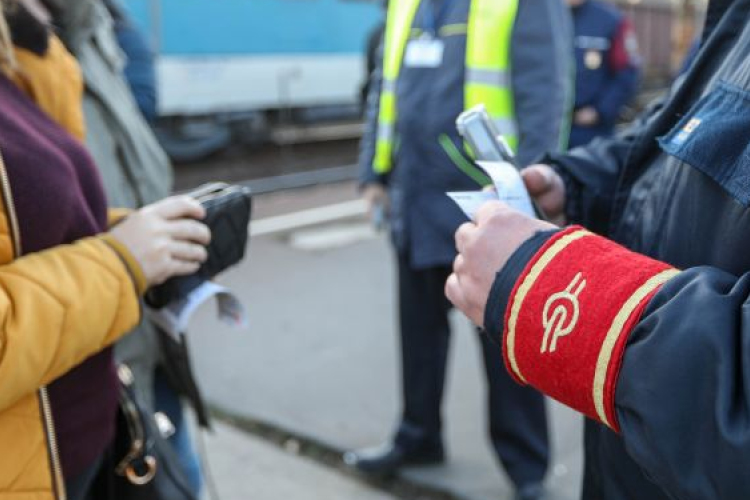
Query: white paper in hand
<point x="175" y="316"/>
<point x="509" y="185"/>
<point x="470" y="201"/>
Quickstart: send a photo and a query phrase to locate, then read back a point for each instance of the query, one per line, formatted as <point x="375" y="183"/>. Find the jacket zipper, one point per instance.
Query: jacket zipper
<point x="58" y="485"/>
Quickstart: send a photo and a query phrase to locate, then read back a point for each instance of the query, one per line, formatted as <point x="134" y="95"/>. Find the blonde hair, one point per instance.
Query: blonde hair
<point x="7" y="60"/>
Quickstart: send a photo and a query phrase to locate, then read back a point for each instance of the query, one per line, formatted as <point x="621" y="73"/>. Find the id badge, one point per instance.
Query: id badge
<point x="424" y="53"/>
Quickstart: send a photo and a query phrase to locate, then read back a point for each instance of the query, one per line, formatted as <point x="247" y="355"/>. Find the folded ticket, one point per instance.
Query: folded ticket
<point x="175" y="316"/>
<point x="509" y="188"/>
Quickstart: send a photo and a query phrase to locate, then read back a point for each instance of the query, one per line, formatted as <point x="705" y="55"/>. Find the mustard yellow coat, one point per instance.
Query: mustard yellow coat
<point x="57" y="307"/>
<point x="55" y="83"/>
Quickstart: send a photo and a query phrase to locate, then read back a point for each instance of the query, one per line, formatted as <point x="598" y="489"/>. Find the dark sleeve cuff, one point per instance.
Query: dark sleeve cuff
<point x="373" y="178"/>
<point x="505" y="281"/>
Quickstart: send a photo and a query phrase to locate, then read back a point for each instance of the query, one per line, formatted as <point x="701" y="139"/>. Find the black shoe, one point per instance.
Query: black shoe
<point x="386" y="460"/>
<point x="533" y="491"/>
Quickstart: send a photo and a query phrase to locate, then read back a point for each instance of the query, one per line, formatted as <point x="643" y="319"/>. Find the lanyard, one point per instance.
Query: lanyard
<point x="435" y="17"/>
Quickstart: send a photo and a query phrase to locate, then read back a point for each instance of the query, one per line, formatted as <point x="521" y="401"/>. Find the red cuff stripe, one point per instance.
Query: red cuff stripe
<point x="570" y="315"/>
<point x="613" y="347"/>
<point x="538" y="264"/>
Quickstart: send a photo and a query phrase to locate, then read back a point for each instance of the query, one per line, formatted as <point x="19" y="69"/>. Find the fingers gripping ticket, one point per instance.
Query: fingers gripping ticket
<point x="570" y="313"/>
<point x="462" y="236"/>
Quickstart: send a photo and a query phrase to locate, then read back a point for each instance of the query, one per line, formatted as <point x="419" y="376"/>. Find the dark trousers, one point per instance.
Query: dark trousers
<point x="517" y="419"/>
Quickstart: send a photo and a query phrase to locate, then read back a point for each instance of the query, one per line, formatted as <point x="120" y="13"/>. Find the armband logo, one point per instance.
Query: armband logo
<point x="561" y="312"/>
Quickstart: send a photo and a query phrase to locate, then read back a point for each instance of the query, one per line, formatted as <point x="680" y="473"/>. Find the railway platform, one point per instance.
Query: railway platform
<point x="316" y="372"/>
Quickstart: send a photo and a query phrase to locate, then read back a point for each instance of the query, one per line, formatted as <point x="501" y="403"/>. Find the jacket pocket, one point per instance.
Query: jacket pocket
<point x="714" y="137"/>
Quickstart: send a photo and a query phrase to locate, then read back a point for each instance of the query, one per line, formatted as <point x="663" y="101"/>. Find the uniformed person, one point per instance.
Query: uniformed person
<point x="441" y="57"/>
<point x="607" y="68"/>
<point x="653" y="346"/>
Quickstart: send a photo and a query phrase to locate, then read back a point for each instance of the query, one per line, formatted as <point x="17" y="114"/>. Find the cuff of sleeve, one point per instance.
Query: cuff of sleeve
<point x="116" y="215"/>
<point x="570" y="313"/>
<point x="505" y="280"/>
<point x="381" y="179"/>
<point x="136" y="272"/>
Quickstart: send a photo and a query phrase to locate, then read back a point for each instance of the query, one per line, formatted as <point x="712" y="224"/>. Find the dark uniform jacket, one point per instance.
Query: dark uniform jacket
<point x="607" y="66"/>
<point x="423" y="219"/>
<point x="676" y="187"/>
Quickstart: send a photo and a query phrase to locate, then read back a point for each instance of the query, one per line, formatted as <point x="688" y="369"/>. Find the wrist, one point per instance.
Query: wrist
<point x="505" y="281"/>
<point x="117" y="215"/>
<point x="128" y="259"/>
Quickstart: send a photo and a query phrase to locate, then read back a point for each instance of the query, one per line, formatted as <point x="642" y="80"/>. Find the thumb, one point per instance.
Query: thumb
<point x="538" y="179"/>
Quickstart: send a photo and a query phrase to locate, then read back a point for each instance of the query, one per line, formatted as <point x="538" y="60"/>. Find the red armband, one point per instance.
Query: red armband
<point x="570" y="314"/>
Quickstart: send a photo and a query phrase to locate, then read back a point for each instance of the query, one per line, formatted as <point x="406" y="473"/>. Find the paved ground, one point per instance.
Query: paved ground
<point x="319" y="359"/>
<point x="245" y="467"/>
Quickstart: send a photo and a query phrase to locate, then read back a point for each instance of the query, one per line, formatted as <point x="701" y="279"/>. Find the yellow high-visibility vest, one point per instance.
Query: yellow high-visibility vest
<point x="487" y="77"/>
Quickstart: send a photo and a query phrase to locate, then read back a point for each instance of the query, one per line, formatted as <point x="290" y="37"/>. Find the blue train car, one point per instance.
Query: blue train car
<point x="218" y="56"/>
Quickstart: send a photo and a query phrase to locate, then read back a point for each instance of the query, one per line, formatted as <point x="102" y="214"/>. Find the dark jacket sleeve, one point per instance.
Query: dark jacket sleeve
<point x="683" y="396"/>
<point x="591" y="172"/>
<point x="367" y="145"/>
<point x="681" y="393"/>
<point x="542" y="77"/>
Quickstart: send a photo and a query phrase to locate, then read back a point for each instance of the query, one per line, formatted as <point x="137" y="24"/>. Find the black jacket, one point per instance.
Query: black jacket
<point x="676" y="187"/>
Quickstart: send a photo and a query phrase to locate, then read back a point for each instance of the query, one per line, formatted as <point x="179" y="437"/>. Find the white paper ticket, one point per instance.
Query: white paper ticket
<point x="509" y="188"/>
<point x="509" y="185"/>
<point x="175" y="316"/>
<point x="470" y="201"/>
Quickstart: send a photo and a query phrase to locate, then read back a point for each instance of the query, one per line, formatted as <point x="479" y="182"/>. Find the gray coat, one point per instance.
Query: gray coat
<point x="423" y="219"/>
<point x="135" y="170"/>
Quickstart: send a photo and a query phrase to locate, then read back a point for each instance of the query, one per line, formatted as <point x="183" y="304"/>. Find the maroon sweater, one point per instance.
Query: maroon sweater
<point x="59" y="199"/>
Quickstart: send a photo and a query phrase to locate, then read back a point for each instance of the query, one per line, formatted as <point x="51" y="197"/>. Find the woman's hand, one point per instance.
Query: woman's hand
<point x="166" y="238"/>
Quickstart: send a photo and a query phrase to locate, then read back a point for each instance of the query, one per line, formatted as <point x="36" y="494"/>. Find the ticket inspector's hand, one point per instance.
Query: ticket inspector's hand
<point x="166" y="238"/>
<point x="376" y="197"/>
<point x="548" y="190"/>
<point x="484" y="247"/>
